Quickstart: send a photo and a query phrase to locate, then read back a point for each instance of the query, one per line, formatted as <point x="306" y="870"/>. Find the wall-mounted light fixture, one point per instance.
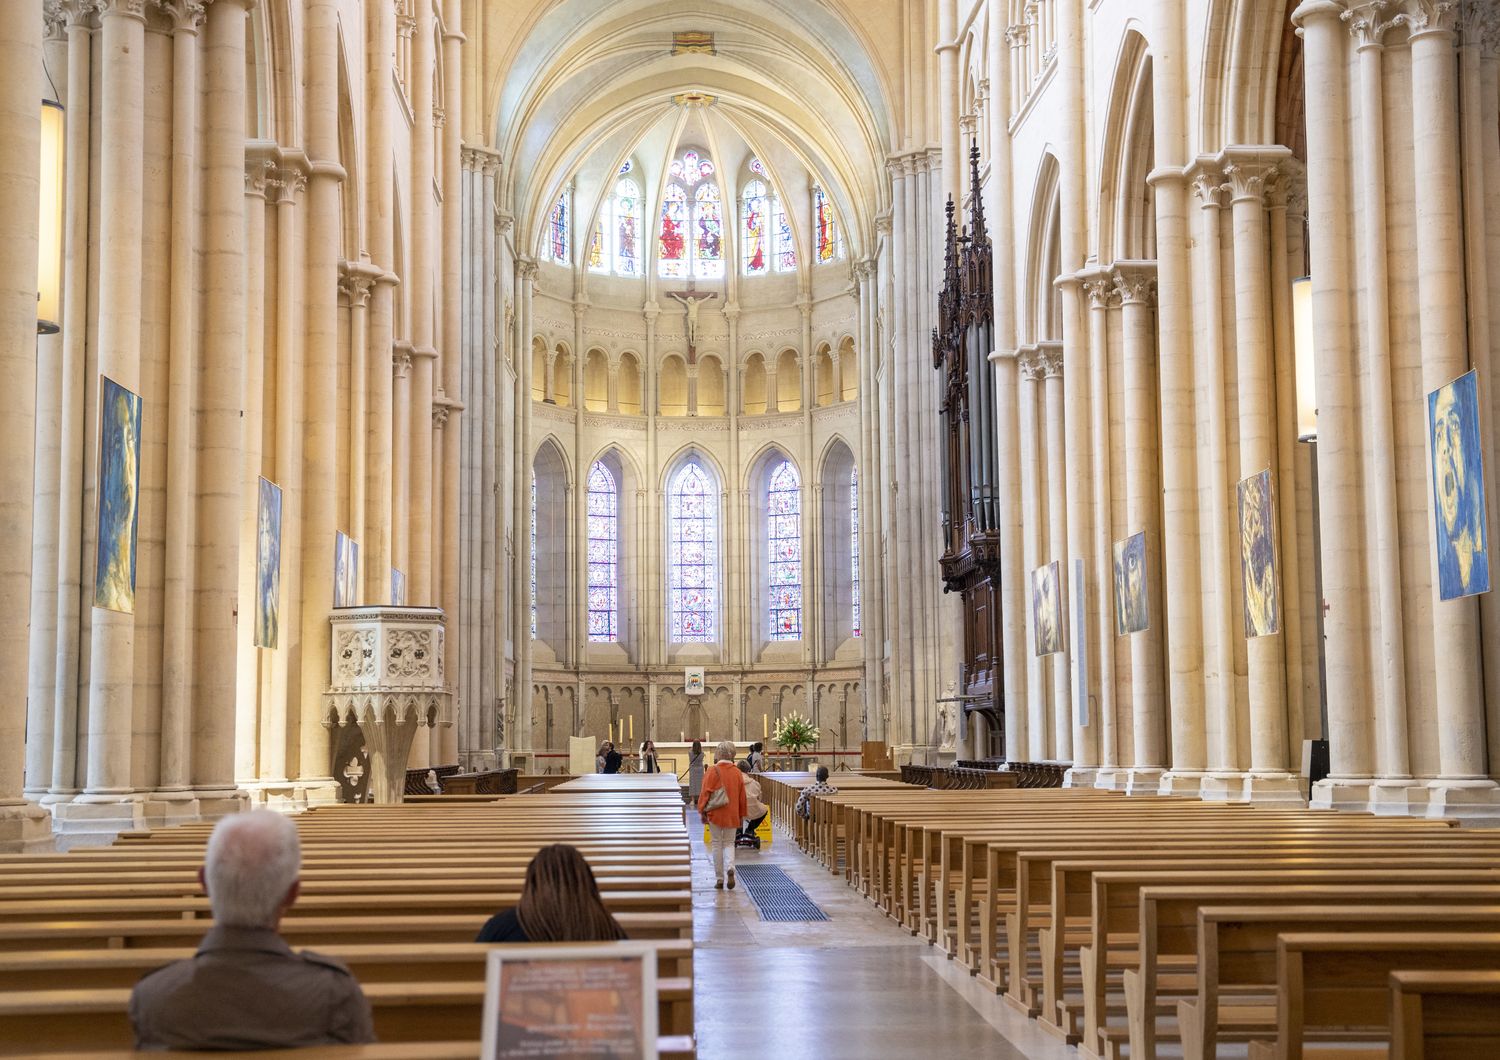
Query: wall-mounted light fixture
<point x="50" y="222"/>
<point x="1306" y="361"/>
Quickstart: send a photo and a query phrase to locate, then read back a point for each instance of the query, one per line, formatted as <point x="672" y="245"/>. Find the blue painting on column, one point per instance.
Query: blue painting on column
<point x="398" y="588"/>
<point x="1463" y="561"/>
<point x="119" y="495"/>
<point x="268" y="565"/>
<point x="345" y="570"/>
<point x="1258" y="556"/>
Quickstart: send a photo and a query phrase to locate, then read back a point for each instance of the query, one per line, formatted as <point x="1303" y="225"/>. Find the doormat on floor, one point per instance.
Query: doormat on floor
<point x="777" y="895"/>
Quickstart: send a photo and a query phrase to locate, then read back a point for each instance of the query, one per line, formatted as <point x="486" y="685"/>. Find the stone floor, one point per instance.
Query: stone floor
<point x="854" y="987"/>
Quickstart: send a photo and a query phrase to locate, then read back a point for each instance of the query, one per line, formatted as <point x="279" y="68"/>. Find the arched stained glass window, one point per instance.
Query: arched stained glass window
<point x="691" y="168"/>
<point x="708" y="233"/>
<point x="829" y="245"/>
<point x="557" y="230"/>
<point x="627" y="227"/>
<point x="692" y="528"/>
<point x="533" y="553"/>
<point x="784" y="539"/>
<point x="672" y="248"/>
<point x="597" y="263"/>
<point x="786" y="247"/>
<point x="756" y="255"/>
<point x="604" y="554"/>
<point x="854" y="545"/>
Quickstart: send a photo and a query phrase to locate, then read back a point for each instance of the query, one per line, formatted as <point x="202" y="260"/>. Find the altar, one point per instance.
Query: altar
<point x="672" y="756"/>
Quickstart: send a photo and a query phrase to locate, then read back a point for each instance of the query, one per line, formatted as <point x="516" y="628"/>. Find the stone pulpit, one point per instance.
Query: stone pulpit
<point x="388" y="678"/>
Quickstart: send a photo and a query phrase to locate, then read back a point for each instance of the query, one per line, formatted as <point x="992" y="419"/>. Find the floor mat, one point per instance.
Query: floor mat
<point x="777" y="895"/>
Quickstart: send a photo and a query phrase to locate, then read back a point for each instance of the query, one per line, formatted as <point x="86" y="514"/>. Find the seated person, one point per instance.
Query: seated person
<point x="755" y="810"/>
<point x="820" y="787"/>
<point x="245" y="988"/>
<point x="559" y="903"/>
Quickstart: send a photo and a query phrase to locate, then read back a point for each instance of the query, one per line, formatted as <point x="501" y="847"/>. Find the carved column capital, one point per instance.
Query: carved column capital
<point x="1250" y="170"/>
<point x="526" y="269"/>
<point x="127" y="8"/>
<point x="1423" y="17"/>
<point x="440" y="415"/>
<point x="1018" y="35"/>
<point x="260" y="171"/>
<point x="401" y="358"/>
<point x="1135" y="282"/>
<point x="1099" y="288"/>
<point x="1368" y="21"/>
<point x="1479" y="21"/>
<point x="1207" y="182"/>
<point x="1051" y="354"/>
<point x="186" y="15"/>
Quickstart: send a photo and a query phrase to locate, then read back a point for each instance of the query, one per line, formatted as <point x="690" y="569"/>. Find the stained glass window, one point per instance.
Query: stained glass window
<point x="596" y="247"/>
<point x="692" y="526"/>
<point x="708" y="233"/>
<point x="626" y="167"/>
<point x="753" y="228"/>
<point x="533" y="553"/>
<point x="854" y="544"/>
<point x="690" y="168"/>
<point x="829" y="246"/>
<point x="558" y="229"/>
<point x="627" y="227"/>
<point x="786" y="248"/>
<point x="784" y="540"/>
<point x="757" y="167"/>
<point x="672" y="243"/>
<point x="604" y="553"/>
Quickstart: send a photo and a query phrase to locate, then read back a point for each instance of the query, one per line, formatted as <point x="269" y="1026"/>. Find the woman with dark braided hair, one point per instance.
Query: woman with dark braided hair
<point x="559" y="903"/>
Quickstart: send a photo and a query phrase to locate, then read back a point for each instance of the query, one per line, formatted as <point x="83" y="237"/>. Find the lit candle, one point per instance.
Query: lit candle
<point x="632" y="726"/>
<point x="765" y="726"/>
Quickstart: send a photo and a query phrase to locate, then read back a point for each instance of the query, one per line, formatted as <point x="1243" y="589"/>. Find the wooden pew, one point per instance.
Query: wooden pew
<point x="1235" y="982"/>
<point x="1445" y="1015"/>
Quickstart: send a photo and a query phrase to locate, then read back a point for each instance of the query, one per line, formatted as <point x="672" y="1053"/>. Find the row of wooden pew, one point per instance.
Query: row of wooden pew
<point x="397" y="892"/>
<point x="1131" y="925"/>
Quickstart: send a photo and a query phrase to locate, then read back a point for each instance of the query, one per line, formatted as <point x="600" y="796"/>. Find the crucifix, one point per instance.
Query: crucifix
<point x="691" y="299"/>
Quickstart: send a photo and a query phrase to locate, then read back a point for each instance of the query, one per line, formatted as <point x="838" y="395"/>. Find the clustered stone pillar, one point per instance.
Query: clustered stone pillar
<point x="1102" y="295"/>
<point x="1057" y="545"/>
<point x="22" y="825"/>
<point x="1032" y="369"/>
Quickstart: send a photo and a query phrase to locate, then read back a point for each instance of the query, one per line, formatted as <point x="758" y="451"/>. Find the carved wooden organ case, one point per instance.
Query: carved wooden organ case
<point x="961" y="345"/>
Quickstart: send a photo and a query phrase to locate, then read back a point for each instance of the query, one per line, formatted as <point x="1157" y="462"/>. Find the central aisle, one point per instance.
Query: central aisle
<point x="851" y="988"/>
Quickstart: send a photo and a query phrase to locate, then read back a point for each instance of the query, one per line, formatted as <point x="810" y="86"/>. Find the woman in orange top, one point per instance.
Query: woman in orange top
<point x="724" y="821"/>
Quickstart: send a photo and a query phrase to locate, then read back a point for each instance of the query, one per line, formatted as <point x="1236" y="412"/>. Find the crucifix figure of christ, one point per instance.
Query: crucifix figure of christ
<point x="692" y="299"/>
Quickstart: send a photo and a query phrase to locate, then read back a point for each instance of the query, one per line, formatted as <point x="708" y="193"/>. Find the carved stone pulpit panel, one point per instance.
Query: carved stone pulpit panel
<point x="387" y="678"/>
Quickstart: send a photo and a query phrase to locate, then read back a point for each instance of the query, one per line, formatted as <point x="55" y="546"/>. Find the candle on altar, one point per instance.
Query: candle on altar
<point x="765" y="726"/>
<point x="681" y="736"/>
<point x="632" y="726"/>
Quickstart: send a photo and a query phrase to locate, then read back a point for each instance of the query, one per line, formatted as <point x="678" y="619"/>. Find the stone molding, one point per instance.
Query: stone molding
<point x="1251" y="171"/>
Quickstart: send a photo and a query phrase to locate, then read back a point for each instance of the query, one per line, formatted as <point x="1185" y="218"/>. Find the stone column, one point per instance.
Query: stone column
<point x="356" y="280"/>
<point x="41" y="677"/>
<point x="1099" y="288"/>
<point x="1340" y="455"/>
<point x="1083" y="671"/>
<point x="22" y="825"/>
<point x="178" y="578"/>
<point x="402" y="356"/>
<point x="947" y="49"/>
<point x="1057" y="546"/>
<point x="1226" y="782"/>
<point x="1249" y="170"/>
<point x="1136" y="284"/>
<point x="453" y="364"/>
<point x="76" y="410"/>
<point x="421" y="259"/>
<point x="220" y="402"/>
<point x="1462" y="789"/>
<point x="1181" y="558"/>
<point x="376" y="549"/>
<point x="1368" y="28"/>
<point x="1032" y="370"/>
<point x="118" y="346"/>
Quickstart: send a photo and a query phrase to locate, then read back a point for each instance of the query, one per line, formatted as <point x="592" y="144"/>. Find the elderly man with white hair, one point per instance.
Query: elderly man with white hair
<point x="245" y="988"/>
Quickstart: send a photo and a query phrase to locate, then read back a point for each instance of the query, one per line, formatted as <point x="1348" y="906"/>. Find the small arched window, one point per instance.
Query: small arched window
<point x="692" y="528"/>
<point x="784" y="540"/>
<point x="829" y="245"/>
<point x="557" y="230"/>
<point x="604" y="554"/>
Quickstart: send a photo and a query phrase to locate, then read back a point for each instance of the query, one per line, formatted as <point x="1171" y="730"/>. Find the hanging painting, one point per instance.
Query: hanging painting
<point x="119" y="491"/>
<point x="1463" y="560"/>
<point x="1131" y="614"/>
<point x="398" y="591"/>
<point x="1258" y="556"/>
<point x="345" y="570"/>
<point x="267" y="565"/>
<point x="1046" y="609"/>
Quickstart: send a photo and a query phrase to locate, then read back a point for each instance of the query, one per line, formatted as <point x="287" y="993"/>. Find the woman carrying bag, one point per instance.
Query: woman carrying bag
<point x="722" y="806"/>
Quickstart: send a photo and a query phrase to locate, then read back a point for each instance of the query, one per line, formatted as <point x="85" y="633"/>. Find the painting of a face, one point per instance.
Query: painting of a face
<point x="1258" y="556"/>
<point x="1131" y="614"/>
<point x="119" y="471"/>
<point x="268" y="565"/>
<point x="1458" y="489"/>
<point x="1045" y="594"/>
